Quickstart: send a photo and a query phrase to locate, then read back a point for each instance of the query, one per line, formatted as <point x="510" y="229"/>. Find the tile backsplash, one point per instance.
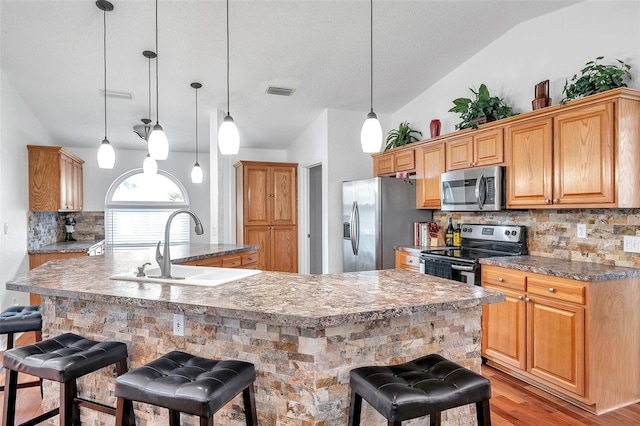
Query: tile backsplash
<point x="48" y="227"/>
<point x="552" y="233"/>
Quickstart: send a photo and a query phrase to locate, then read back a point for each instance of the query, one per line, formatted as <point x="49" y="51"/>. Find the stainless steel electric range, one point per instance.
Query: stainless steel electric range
<point x="478" y="241"/>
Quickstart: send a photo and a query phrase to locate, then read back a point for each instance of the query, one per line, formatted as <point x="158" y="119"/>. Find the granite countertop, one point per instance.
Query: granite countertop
<point x="581" y="271"/>
<point x="68" y="247"/>
<point x="181" y="253"/>
<point x="273" y="297"/>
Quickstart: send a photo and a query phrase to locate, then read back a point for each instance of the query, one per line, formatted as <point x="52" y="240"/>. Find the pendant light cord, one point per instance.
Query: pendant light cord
<point x="149" y="88"/>
<point x="104" y="16"/>
<point x="371" y="62"/>
<point x="157" y="55"/>
<point x="228" y="109"/>
<point x="196" y="125"/>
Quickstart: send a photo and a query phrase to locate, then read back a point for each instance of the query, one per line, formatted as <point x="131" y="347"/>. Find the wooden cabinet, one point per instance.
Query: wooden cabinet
<point x="562" y="161"/>
<point x="430" y="164"/>
<point x="559" y="334"/>
<point x="38" y="259"/>
<point x="244" y="260"/>
<point x="390" y="162"/>
<point x="267" y="205"/>
<point x="408" y="260"/>
<point x="55" y="179"/>
<point x="476" y="149"/>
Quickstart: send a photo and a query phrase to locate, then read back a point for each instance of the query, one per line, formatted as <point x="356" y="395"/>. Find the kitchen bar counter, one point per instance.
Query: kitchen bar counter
<point x="581" y="271"/>
<point x="304" y="333"/>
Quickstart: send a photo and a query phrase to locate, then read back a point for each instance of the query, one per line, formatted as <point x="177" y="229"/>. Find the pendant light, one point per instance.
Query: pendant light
<point x="149" y="166"/>
<point x="196" y="172"/>
<point x="228" y="137"/>
<point x="371" y="133"/>
<point x="158" y="143"/>
<point x="106" y="154"/>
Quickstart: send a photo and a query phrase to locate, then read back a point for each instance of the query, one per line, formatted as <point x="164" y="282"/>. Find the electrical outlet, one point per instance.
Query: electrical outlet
<point x="178" y="324"/>
<point x="631" y="244"/>
<point x="582" y="230"/>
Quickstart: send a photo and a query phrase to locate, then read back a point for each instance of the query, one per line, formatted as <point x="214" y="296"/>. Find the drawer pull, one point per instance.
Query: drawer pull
<point x="501" y="279"/>
<point x="552" y="290"/>
<point x="410" y="261"/>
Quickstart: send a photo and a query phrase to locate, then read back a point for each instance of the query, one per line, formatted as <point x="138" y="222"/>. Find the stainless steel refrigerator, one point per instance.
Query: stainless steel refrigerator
<point x="377" y="214"/>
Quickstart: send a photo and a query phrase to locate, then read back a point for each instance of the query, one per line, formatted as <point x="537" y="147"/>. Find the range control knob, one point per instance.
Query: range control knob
<point x="507" y="232"/>
<point x="514" y="233"/>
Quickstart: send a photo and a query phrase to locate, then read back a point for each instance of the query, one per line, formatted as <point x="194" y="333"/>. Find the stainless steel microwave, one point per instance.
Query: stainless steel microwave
<point x="477" y="189"/>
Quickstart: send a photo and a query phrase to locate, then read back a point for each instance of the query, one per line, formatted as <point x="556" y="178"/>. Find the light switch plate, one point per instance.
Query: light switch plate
<point x="582" y="230"/>
<point x="631" y="244"/>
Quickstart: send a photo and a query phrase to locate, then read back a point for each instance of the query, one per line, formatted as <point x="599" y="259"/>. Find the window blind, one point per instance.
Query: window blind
<point x="139" y="227"/>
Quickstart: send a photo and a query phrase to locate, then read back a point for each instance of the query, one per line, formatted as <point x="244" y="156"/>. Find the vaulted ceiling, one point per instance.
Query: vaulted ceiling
<point x="51" y="51"/>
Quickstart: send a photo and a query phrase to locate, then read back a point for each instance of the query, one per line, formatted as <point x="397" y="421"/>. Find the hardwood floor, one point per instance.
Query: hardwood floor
<point x="513" y="403"/>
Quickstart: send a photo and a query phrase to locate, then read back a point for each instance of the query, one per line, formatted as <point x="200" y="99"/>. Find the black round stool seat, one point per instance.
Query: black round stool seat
<point x="63" y="359"/>
<point x="186" y="383"/>
<point x="424" y="386"/>
<point x="20" y="319"/>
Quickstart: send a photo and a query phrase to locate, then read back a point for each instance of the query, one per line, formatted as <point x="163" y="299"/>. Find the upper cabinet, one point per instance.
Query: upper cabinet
<point x="586" y="154"/>
<point x="55" y="179"/>
<point x="390" y="162"/>
<point x="430" y="164"/>
<point x="477" y="149"/>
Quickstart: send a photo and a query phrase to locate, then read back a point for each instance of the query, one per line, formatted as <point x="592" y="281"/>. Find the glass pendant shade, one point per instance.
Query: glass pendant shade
<point x="371" y="134"/>
<point x="228" y="137"/>
<point x="158" y="143"/>
<point x="106" y="155"/>
<point x="149" y="167"/>
<point x="196" y="174"/>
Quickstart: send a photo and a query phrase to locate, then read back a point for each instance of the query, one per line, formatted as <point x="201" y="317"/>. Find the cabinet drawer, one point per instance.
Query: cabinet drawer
<point x="502" y="277"/>
<point x="406" y="260"/>
<point x="250" y="258"/>
<point x="405" y="161"/>
<point x="556" y="288"/>
<point x="383" y="165"/>
<point x="231" y="261"/>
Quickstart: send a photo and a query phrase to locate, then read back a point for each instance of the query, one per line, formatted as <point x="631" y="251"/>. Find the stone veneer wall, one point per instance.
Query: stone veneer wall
<point x="48" y="227"/>
<point x="303" y="374"/>
<point x="552" y="233"/>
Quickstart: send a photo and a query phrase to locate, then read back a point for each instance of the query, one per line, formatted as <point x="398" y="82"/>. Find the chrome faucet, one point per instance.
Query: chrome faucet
<point x="164" y="260"/>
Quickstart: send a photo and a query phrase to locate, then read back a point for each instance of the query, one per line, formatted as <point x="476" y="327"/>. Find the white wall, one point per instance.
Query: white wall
<point x="554" y="47"/>
<point x="18" y="128"/>
<point x="96" y="181"/>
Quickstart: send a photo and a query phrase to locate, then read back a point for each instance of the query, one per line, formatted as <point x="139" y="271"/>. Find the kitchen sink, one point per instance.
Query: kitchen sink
<point x="191" y="275"/>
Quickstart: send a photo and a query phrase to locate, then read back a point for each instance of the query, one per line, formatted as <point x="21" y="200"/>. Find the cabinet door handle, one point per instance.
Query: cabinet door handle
<point x="501" y="279"/>
<point x="547" y="201"/>
<point x="552" y="290"/>
<point x="469" y="164"/>
<point x="556" y="201"/>
<point x="519" y="297"/>
<point x="473" y="164"/>
<point x="526" y="299"/>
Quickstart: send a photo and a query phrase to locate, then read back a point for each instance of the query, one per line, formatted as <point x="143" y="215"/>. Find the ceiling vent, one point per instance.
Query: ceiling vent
<point x="116" y="95"/>
<point x="281" y="91"/>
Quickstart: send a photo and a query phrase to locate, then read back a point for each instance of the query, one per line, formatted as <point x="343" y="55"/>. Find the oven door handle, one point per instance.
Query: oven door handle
<point x="463" y="268"/>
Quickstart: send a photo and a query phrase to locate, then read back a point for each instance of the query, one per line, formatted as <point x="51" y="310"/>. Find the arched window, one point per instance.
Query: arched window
<point x="137" y="207"/>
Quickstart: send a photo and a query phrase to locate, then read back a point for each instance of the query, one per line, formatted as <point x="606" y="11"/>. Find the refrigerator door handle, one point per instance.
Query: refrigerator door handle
<point x="356" y="217"/>
<point x="352" y="228"/>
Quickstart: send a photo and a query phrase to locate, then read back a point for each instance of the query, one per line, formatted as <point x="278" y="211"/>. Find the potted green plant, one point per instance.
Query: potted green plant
<point x="595" y="78"/>
<point x="401" y="136"/>
<point x="483" y="108"/>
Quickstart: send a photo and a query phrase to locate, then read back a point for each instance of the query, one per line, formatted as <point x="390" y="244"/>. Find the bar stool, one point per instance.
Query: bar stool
<point x="424" y="386"/>
<point x="189" y="384"/>
<point x="21" y="319"/>
<point x="62" y="359"/>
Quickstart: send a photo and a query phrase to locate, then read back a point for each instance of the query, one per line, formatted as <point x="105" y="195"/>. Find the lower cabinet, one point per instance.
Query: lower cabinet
<point x="38" y="259"/>
<point x="278" y="247"/>
<point x="407" y="260"/>
<point x="561" y="335"/>
<point x="245" y="260"/>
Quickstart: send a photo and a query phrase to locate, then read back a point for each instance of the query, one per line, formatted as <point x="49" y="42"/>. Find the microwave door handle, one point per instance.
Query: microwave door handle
<point x="481" y="192"/>
<point x="463" y="268"/>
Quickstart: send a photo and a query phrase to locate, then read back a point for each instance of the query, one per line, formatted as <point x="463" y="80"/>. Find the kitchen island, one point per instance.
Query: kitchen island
<point x="304" y="333"/>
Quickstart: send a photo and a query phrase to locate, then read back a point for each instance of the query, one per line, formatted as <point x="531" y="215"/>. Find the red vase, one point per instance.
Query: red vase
<point x="435" y="128"/>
